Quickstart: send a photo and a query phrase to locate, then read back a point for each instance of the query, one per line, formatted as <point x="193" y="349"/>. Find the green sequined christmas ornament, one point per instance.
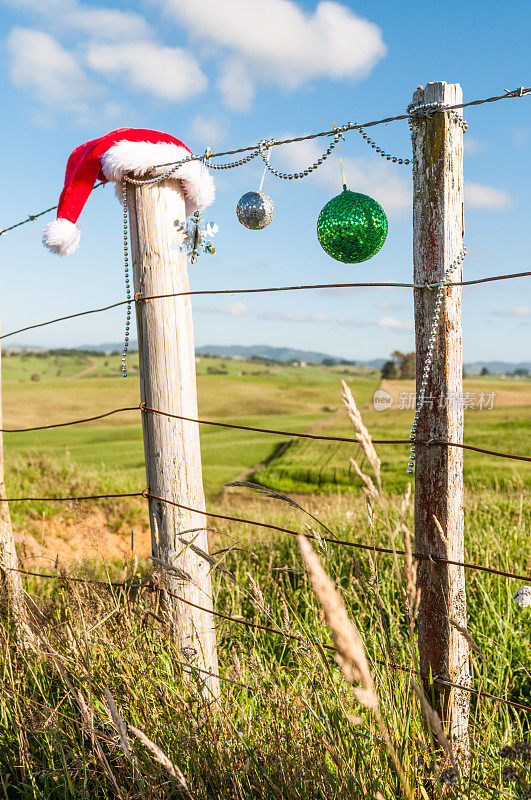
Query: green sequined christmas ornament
<point x="352" y="227"/>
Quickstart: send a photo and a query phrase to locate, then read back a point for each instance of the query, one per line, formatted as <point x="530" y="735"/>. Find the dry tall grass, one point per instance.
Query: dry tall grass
<point x="109" y="707"/>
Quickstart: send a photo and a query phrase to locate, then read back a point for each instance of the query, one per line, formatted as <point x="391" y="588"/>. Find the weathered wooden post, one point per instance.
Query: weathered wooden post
<point x="438" y="229"/>
<point x="9" y="563"/>
<point x="171" y="446"/>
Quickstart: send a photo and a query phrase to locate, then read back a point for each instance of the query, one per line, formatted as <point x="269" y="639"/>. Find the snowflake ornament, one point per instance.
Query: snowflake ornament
<point x="196" y="236"/>
<point x="523" y="597"/>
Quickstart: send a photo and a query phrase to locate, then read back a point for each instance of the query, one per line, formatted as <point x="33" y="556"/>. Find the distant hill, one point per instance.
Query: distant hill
<point x="277" y="354"/>
<point x="274" y="353"/>
<point x="109" y="347"/>
<point x="496" y="367"/>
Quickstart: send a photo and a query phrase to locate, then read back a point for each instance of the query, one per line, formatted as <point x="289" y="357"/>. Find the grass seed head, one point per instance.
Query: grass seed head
<point x="350" y="651"/>
<point x="237" y="664"/>
<point x="119" y="723"/>
<point x="465" y="634"/>
<point x="370" y="488"/>
<point x="162" y="759"/>
<point x="410" y="575"/>
<point x="257" y="593"/>
<point x="362" y="434"/>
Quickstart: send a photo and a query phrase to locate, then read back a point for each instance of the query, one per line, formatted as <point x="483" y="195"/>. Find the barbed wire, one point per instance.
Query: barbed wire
<point x="302" y="640"/>
<point x="33" y="217"/>
<point x="354" y="285"/>
<point x="345" y="543"/>
<point x="70" y="497"/>
<point x="70" y="422"/>
<point x="273" y="431"/>
<point x="257" y="626"/>
<point x="318" y="437"/>
<point x="270" y="526"/>
<point x="260" y="290"/>
<point x="426" y="110"/>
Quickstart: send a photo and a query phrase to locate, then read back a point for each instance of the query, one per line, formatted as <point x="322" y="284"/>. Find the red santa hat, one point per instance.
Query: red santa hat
<point x="124" y="151"/>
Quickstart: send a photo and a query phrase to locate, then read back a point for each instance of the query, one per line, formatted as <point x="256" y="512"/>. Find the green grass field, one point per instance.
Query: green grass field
<point x="287" y="724"/>
<point x="247" y="393"/>
<point x="325" y="466"/>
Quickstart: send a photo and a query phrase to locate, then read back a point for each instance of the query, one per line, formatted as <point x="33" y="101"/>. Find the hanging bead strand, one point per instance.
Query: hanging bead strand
<point x="429" y="355"/>
<point x="127" y="282"/>
<point x="382" y="152"/>
<point x="264" y="147"/>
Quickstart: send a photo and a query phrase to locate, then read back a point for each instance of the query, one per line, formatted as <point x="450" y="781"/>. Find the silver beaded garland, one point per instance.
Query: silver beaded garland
<point x="123" y="364"/>
<point x="429" y="355"/>
<point x="255" y="210"/>
<point x="264" y="149"/>
<point x="381" y="152"/>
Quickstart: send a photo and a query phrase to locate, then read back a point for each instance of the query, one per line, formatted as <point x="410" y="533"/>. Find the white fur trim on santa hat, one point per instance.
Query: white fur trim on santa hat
<point x="61" y="236"/>
<point x="140" y="157"/>
<point x="198" y="186"/>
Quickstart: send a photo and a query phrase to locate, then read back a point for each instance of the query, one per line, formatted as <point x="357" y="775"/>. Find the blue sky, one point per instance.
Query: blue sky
<point x="228" y="73"/>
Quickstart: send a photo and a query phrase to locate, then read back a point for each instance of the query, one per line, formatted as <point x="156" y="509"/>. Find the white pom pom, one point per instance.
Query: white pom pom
<point x="61" y="236"/>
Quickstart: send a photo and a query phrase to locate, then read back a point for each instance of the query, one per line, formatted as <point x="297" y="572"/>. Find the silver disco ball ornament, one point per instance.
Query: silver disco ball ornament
<point x="255" y="210"/>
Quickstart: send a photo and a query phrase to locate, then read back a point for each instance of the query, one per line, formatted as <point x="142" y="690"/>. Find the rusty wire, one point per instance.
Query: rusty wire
<point x="345" y="543"/>
<point x="521" y="91"/>
<point x="267" y="629"/>
<point x="291" y="434"/>
<point x="260" y="290"/>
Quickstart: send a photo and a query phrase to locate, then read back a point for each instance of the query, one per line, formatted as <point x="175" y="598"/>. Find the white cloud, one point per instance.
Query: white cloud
<point x="207" y="130"/>
<point x="521" y="311"/>
<point x="39" y="63"/>
<point x="278" y="316"/>
<point x="278" y="41"/>
<point x="472" y="145"/>
<point x="477" y="195"/>
<point x="367" y="175"/>
<point x="235" y="85"/>
<point x="394" y="324"/>
<point x="169" y="73"/>
<point x="386" y="306"/>
<point x="105" y="23"/>
<point x="237" y="309"/>
<point x="120" y="45"/>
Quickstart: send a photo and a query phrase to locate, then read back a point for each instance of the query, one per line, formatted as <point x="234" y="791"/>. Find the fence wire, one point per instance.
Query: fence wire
<point x="260" y="290"/>
<point x="521" y="91"/>
<point x="273" y="431"/>
<point x="270" y="526"/>
<point x="299" y="638"/>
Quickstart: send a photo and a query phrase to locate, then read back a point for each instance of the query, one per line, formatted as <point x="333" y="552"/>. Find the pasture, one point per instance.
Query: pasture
<point x="282" y="397"/>
<point x="287" y="725"/>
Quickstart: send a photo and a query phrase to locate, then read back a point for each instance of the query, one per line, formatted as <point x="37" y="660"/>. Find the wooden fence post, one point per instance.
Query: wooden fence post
<point x="12" y="579"/>
<point x="171" y="446"/>
<point x="438" y="229"/>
